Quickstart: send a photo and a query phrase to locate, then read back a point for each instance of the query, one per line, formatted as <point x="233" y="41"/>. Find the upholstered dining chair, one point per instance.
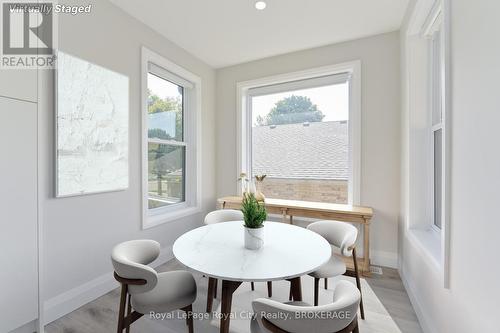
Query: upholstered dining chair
<point x="340" y="316"/>
<point x="343" y="236"/>
<point x="143" y="290"/>
<point x="219" y="216"/>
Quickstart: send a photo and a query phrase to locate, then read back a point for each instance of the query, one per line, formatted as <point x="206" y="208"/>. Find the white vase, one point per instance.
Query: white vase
<point x="251" y="187"/>
<point x="244" y="187"/>
<point x="258" y="191"/>
<point x="254" y="238"/>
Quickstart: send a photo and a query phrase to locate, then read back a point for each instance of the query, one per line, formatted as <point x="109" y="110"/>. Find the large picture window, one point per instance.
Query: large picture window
<point x="300" y="140"/>
<point x="303" y="134"/>
<point x="170" y="108"/>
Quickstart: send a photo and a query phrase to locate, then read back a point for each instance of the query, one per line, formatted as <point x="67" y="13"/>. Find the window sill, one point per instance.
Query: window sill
<point x="429" y="242"/>
<point x="151" y="221"/>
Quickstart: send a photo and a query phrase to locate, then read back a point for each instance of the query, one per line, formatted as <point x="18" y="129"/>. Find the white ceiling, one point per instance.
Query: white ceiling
<point x="228" y="32"/>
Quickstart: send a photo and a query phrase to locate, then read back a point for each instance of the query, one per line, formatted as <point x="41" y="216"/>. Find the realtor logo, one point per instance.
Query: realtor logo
<point x="27" y="35"/>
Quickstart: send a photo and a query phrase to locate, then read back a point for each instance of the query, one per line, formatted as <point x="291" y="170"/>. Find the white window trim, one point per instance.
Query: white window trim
<point x="192" y="137"/>
<point x="435" y="242"/>
<point x="243" y="117"/>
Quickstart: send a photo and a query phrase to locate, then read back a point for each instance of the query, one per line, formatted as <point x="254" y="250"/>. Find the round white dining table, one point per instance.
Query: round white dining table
<point x="218" y="251"/>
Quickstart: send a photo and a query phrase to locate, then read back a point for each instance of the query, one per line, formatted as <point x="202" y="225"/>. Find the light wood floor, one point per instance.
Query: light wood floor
<point x="100" y="315"/>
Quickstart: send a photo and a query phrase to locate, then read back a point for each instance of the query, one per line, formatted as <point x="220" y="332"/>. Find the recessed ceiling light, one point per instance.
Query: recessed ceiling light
<point x="260" y="5"/>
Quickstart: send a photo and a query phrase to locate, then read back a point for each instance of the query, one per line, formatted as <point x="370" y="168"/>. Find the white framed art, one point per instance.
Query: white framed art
<point x="92" y="119"/>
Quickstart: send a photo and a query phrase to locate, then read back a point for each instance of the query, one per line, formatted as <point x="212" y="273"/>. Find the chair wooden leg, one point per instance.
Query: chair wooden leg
<point x="121" y="313"/>
<point x="358" y="283"/>
<point x="355" y="329"/>
<point x="290" y="295"/>
<point x="326" y="283"/>
<point x="316" y="291"/>
<point x="129" y="311"/>
<point x="189" y="317"/>
<point x="210" y="294"/>
<point x="215" y="288"/>
<point x="269" y="289"/>
<point x="352" y="327"/>
<point x="252" y="285"/>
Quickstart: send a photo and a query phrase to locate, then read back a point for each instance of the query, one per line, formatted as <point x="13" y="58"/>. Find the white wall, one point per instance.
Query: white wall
<point x="18" y="210"/>
<point x="79" y="232"/>
<point x="380" y="125"/>
<point x="471" y="302"/>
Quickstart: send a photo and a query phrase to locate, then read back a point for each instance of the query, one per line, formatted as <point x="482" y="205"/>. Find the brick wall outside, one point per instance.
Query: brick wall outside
<point x="332" y="191"/>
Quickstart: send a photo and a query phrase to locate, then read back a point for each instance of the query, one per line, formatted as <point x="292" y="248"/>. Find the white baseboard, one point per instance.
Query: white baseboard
<point x="383" y="258"/>
<point x="417" y="305"/>
<point x="71" y="300"/>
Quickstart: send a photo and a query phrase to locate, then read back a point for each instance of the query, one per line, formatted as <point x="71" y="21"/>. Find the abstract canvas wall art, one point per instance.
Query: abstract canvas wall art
<point x="92" y="128"/>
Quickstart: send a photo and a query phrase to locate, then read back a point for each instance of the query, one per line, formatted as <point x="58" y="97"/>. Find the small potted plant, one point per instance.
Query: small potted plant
<point x="254" y="215"/>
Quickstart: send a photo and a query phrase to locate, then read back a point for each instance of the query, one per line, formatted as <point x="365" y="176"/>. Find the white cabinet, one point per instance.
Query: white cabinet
<point x="18" y="214"/>
<point x="19" y="84"/>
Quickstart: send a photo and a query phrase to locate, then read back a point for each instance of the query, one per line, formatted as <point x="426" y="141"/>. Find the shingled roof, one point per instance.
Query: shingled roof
<point x="316" y="150"/>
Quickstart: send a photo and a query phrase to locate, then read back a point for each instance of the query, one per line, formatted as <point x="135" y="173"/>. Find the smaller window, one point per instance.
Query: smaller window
<point x="170" y="108"/>
<point x="166" y="145"/>
<point x="436" y="106"/>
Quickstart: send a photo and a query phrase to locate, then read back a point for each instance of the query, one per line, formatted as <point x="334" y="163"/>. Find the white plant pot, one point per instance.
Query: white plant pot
<point x="251" y="187"/>
<point x="254" y="238"/>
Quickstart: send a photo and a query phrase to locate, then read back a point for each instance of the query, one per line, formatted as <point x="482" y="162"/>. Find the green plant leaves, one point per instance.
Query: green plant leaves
<point x="254" y="212"/>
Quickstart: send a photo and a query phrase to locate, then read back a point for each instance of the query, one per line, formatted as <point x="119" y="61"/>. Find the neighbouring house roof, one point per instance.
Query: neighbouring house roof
<point x="316" y="151"/>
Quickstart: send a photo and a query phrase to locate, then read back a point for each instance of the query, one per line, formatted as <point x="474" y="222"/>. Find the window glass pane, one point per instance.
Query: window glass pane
<point x="436" y="80"/>
<point x="166" y="172"/>
<point x="438" y="163"/>
<point x="165" y="109"/>
<point x="300" y="141"/>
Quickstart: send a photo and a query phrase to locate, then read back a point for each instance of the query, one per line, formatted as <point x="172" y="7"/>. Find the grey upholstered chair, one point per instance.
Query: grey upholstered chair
<point x="143" y="290"/>
<point x="343" y="236"/>
<point x="298" y="317"/>
<point x="219" y="216"/>
<point x="223" y="215"/>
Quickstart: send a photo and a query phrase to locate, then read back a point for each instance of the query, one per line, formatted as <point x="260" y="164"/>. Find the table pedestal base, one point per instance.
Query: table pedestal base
<point x="295" y="290"/>
<point x="229" y="287"/>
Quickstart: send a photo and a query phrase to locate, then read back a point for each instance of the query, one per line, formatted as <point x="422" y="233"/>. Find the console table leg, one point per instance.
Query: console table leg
<point x="283" y="214"/>
<point x="366" y="248"/>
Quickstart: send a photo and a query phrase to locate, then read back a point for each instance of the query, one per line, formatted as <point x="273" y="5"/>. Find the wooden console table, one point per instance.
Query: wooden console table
<point x="318" y="210"/>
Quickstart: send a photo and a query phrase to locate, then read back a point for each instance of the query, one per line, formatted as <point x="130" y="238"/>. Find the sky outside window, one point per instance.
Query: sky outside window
<point x="332" y="101"/>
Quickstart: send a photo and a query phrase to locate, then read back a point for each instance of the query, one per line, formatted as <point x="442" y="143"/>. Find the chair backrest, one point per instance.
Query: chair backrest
<point x="223" y="215"/>
<point x="130" y="259"/>
<point x="339" y="234"/>
<point x="327" y="318"/>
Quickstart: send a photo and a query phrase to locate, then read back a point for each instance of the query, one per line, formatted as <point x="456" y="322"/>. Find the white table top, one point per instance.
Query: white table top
<point x="218" y="251"/>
